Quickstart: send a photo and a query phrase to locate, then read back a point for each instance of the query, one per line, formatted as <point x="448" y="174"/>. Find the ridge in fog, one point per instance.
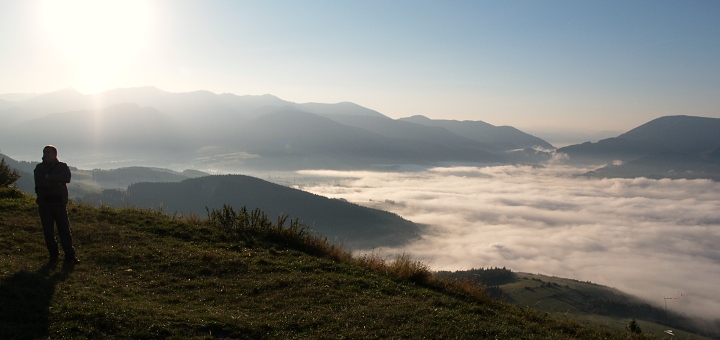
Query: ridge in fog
<point x="340" y="221"/>
<point x="666" y="147"/>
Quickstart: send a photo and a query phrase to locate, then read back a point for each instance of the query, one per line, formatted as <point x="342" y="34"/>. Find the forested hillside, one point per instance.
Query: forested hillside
<point x="342" y="222"/>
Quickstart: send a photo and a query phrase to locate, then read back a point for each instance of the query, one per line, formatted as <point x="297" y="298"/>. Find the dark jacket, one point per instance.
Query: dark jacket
<point x="51" y="180"/>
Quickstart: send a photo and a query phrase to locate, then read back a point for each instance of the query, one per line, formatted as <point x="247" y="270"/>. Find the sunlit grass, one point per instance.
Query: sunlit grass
<point x="237" y="274"/>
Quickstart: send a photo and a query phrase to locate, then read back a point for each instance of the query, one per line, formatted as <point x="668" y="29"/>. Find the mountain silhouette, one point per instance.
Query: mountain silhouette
<point x="501" y="137"/>
<point x="342" y="109"/>
<point x="308" y="137"/>
<point x="666" y="147"/>
<point x="411" y="131"/>
<point x="683" y="134"/>
<point x="678" y="133"/>
<point x="200" y="127"/>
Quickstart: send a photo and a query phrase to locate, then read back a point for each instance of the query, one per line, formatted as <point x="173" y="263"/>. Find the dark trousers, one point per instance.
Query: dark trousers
<point x="56" y="214"/>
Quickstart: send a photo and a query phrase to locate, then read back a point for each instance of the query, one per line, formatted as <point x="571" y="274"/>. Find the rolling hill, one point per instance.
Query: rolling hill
<point x="342" y="222"/>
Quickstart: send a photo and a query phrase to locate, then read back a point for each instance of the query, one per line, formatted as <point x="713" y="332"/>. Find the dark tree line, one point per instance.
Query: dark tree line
<point x="487" y="276"/>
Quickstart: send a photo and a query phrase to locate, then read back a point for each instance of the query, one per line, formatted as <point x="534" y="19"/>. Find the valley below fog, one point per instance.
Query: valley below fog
<point x="650" y="238"/>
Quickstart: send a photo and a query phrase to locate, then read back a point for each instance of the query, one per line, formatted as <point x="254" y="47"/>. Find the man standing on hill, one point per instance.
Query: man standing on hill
<point x="51" y="178"/>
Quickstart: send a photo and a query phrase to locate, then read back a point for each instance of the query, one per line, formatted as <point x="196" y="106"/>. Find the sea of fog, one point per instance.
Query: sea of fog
<point x="655" y="239"/>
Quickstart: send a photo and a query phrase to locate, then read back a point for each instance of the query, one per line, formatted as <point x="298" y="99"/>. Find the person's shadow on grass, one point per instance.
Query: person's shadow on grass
<point x="25" y="299"/>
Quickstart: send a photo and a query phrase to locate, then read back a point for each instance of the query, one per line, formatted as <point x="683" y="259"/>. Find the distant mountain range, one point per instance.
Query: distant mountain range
<point x="226" y="132"/>
<point x="667" y="147"/>
<point x="156" y="128"/>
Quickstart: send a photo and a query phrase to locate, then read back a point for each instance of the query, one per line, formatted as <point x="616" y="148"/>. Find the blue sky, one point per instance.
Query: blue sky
<point x="590" y="65"/>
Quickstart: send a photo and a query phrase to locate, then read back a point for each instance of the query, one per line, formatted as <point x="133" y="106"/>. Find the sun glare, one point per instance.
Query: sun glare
<point x="98" y="37"/>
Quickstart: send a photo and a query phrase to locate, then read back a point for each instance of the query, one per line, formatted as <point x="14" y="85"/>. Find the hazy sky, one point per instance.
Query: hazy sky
<point x="583" y="64"/>
<point x="650" y="238"/>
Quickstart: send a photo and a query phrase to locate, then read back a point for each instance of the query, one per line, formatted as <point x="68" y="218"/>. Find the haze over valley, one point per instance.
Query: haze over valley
<point x="651" y="238"/>
<point x="572" y="139"/>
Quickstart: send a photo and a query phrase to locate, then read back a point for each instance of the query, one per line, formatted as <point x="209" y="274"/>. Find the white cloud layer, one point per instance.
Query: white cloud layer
<point x="650" y="238"/>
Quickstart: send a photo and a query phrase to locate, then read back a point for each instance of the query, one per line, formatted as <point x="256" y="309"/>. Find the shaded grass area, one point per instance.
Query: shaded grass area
<point x="147" y="275"/>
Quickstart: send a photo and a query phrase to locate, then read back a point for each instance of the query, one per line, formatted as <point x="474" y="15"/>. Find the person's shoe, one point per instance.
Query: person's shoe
<point x="73" y="260"/>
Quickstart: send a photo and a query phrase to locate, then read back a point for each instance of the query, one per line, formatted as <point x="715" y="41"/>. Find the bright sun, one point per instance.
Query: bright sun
<point x="99" y="37"/>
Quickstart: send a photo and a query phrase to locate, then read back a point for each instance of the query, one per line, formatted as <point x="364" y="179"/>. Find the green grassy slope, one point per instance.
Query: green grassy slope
<point x="147" y="275"/>
<point x="585" y="302"/>
<point x="592" y="304"/>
